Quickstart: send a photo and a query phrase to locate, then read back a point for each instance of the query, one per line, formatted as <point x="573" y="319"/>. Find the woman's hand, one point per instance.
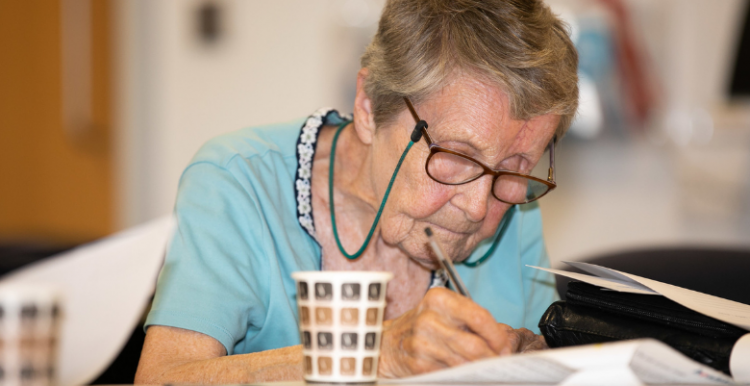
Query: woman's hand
<point x="523" y="340"/>
<point x="445" y="330"/>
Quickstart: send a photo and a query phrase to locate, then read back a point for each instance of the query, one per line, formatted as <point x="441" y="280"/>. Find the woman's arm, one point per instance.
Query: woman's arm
<point x="444" y="331"/>
<point x="175" y="355"/>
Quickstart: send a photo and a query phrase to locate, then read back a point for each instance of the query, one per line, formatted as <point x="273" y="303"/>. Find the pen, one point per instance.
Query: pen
<point x="447" y="265"/>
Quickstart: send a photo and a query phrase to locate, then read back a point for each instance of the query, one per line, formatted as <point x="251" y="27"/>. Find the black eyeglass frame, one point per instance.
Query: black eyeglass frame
<point x="495" y="173"/>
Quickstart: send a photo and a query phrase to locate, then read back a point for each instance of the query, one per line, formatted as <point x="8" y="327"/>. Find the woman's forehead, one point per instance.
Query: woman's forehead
<point x="473" y="113"/>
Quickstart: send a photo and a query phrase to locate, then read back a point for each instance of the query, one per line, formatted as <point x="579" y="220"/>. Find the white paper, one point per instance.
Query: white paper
<point x="613" y="284"/>
<point x="634" y="362"/>
<point x="727" y="311"/>
<point x="651" y="361"/>
<point x="105" y="287"/>
<point x="511" y="369"/>
<point x="605" y="273"/>
<point x="656" y="363"/>
<point x="616" y="354"/>
<point x="613" y="376"/>
<point x="739" y="360"/>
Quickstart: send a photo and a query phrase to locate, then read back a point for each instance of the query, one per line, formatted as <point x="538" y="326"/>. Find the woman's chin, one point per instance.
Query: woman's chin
<point x="422" y="254"/>
<point x="426" y="263"/>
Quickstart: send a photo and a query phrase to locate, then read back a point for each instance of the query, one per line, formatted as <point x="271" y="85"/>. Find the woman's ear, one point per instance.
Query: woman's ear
<point x="364" y="119"/>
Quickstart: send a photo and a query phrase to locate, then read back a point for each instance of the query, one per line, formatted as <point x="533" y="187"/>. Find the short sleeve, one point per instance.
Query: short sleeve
<point x="210" y="283"/>
<point x="539" y="286"/>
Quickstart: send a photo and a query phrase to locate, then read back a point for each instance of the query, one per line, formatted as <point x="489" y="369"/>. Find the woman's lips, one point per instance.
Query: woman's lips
<point x="450" y="231"/>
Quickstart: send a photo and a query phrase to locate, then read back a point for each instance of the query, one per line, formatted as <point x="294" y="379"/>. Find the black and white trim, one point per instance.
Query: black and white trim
<point x="306" y="146"/>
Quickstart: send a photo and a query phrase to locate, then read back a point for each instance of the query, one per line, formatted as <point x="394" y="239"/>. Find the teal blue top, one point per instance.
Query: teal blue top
<point x="244" y="224"/>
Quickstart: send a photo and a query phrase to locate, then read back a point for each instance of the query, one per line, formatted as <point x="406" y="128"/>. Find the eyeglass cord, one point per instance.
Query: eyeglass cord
<point x="415" y="137"/>
<point x="382" y="204"/>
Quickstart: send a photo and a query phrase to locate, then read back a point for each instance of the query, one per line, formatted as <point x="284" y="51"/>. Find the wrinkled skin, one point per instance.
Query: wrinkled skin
<point x="447" y="330"/>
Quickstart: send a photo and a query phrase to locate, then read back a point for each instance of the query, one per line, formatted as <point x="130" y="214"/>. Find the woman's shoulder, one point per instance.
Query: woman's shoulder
<point x="282" y="140"/>
<point x="251" y="142"/>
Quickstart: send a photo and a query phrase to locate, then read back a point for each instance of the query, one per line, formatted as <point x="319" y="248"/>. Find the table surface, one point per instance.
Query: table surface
<point x="302" y="383"/>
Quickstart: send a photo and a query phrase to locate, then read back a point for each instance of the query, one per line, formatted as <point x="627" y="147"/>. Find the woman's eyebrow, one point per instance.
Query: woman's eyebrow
<point x="450" y="138"/>
<point x="456" y="136"/>
<point x="460" y="145"/>
<point x="473" y="151"/>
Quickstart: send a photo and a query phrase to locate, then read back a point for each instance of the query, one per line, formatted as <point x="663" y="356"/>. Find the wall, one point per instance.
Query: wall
<point x="684" y="183"/>
<point x="273" y="61"/>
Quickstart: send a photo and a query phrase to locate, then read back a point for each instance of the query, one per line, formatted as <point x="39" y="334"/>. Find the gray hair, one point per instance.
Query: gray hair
<point x="519" y="45"/>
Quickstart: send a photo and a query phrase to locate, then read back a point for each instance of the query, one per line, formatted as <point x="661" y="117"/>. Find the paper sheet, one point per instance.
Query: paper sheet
<point x="622" y="363"/>
<point x="613" y="284"/>
<point x="515" y="369"/>
<point x="650" y="360"/>
<point x="727" y="311"/>
<point x="739" y="360"/>
<point x="656" y="363"/>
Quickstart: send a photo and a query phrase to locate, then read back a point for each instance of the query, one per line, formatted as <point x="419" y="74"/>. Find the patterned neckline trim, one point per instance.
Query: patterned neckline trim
<point x="307" y="144"/>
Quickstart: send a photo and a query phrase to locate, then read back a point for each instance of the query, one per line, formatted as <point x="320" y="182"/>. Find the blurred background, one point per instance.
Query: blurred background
<point x="104" y="102"/>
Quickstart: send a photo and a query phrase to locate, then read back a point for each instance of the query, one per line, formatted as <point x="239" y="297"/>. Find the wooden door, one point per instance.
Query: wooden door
<point x="55" y="183"/>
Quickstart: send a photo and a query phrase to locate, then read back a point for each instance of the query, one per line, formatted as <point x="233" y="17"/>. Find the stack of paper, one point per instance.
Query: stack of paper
<point x="635" y="362"/>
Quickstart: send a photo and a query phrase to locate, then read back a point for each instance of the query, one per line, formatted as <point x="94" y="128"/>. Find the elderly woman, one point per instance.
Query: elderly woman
<point x="494" y="83"/>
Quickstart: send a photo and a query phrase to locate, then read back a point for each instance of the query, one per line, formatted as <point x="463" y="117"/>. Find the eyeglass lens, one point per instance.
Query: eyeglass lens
<point x="452" y="169"/>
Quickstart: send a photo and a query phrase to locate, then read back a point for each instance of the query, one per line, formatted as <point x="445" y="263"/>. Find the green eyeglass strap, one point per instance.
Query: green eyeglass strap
<point x="415" y="137"/>
<point x="382" y="204"/>
<point x="501" y="229"/>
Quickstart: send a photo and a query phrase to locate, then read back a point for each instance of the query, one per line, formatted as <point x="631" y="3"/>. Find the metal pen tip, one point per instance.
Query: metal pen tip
<point x="447" y="265"/>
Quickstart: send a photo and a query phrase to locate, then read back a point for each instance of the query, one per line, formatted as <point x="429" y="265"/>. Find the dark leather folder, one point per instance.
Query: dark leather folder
<point x="592" y="315"/>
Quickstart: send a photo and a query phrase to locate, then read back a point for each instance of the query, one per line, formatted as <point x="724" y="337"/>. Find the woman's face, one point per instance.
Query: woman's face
<point x="466" y="116"/>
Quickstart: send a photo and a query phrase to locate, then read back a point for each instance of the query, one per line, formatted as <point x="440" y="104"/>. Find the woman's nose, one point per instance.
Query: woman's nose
<point x="472" y="198"/>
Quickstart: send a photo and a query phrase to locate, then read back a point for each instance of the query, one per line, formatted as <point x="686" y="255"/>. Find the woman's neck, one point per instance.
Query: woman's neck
<point x="353" y="170"/>
<point x="356" y="204"/>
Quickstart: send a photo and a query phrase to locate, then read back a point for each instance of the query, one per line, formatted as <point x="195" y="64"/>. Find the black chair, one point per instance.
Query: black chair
<point x="714" y="271"/>
<point x="14" y="256"/>
<point x="122" y="370"/>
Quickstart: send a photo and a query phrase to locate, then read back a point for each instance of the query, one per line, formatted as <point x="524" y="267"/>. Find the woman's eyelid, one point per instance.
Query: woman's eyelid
<point x="515" y="162"/>
<point x="473" y="152"/>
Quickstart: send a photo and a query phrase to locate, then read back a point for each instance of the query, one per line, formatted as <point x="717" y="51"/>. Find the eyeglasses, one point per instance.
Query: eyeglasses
<point x="450" y="167"/>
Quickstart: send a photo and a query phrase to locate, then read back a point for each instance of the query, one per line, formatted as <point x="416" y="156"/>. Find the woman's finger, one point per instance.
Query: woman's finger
<point x="431" y="353"/>
<point x="433" y="340"/>
<point x="465" y="344"/>
<point x="463" y="312"/>
<point x="530" y="341"/>
<point x="538" y="344"/>
<point x="445" y="330"/>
